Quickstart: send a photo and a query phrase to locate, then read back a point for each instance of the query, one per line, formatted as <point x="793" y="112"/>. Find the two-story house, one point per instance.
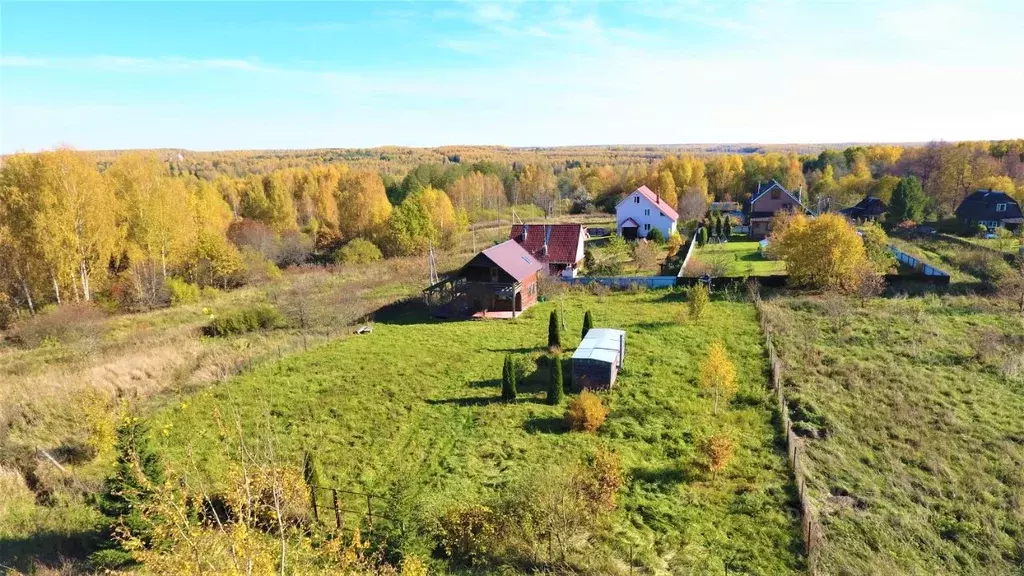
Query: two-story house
<point x="642" y="211"/>
<point x="990" y="208"/>
<point x="770" y="197"/>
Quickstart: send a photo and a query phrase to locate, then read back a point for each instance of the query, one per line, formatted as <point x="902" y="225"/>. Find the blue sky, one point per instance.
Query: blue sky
<point x="302" y="75"/>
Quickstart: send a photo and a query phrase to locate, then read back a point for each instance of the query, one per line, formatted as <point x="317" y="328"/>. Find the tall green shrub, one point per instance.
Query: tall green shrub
<point x="699" y="299"/>
<point x="138" y="471"/>
<point x="702" y="236"/>
<point x="588" y="323"/>
<point x="727" y="227"/>
<point x="508" y="380"/>
<point x="554" y="335"/>
<point x="556" y="389"/>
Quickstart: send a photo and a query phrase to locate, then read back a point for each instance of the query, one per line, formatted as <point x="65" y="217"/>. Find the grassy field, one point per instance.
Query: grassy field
<point x="413" y="411"/>
<point x="738" y="257"/>
<point x="913" y="417"/>
<point x="1007" y="245"/>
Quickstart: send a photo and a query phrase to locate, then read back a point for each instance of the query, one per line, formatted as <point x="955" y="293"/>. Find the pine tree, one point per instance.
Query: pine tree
<point x="137" y="472"/>
<point x="508" y="380"/>
<point x="588" y="323"/>
<point x="554" y="336"/>
<point x="727" y="227"/>
<point x="556" y="388"/>
<point x="702" y="238"/>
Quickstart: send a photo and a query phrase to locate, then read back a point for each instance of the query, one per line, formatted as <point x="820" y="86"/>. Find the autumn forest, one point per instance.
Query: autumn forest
<point x="119" y="226"/>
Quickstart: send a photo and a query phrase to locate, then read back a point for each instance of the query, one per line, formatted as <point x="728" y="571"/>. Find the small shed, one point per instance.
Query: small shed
<point x="597" y="360"/>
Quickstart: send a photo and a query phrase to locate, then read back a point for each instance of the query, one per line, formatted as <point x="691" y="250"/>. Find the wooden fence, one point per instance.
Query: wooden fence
<point x="809" y="521"/>
<point x="332" y="505"/>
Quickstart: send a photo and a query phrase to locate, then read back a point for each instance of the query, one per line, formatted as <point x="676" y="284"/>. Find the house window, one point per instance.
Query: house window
<point x="647" y="226"/>
<point x="662" y="213"/>
<point x="1001" y="207"/>
<point x="776" y="194"/>
<point x="636" y="199"/>
<point x="494" y="274"/>
<point x="647" y="212"/>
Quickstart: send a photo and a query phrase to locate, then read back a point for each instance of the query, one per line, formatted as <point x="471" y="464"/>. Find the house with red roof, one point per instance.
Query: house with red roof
<point x="558" y="246"/>
<point x="500" y="281"/>
<point x="642" y="211"/>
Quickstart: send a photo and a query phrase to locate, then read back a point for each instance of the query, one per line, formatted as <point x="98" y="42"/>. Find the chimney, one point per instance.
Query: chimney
<point x="526" y="228"/>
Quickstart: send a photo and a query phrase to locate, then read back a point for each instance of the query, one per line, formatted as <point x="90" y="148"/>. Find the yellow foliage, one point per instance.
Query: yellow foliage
<point x="717" y="373"/>
<point x="363" y="205"/>
<point x="718" y="451"/>
<point x="586" y="412"/>
<point x="825" y="253"/>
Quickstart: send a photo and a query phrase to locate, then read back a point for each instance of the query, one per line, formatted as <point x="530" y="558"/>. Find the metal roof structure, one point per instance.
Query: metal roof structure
<point x="602" y="344"/>
<point x="510" y="257"/>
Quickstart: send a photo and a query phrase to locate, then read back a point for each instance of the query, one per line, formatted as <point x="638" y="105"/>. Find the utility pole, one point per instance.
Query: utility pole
<point x="433" y="266"/>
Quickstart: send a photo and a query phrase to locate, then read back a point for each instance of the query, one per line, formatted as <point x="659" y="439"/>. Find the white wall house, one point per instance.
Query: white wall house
<point x="640" y="212"/>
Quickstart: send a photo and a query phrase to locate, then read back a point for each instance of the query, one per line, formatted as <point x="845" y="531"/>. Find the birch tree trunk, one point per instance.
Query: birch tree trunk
<point x="56" y="286"/>
<point x="24" y="288"/>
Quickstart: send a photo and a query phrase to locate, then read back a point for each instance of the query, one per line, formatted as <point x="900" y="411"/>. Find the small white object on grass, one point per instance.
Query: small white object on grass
<point x="365" y="330"/>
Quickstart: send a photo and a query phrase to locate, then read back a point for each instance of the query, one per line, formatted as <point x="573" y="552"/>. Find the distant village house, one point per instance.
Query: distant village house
<point x="869" y="209"/>
<point x="770" y="198"/>
<point x="558" y="246"/>
<point x="642" y="211"/>
<point x="991" y="209"/>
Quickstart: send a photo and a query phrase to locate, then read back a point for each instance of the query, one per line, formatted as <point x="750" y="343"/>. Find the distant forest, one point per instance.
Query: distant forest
<point x="120" y="225"/>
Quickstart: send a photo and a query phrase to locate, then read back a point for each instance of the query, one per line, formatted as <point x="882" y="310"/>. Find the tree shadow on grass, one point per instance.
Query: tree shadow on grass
<point x="522" y="350"/>
<point x="549" y="425"/>
<point x="47" y="550"/>
<point x="404" y="312"/>
<point x="662" y="475"/>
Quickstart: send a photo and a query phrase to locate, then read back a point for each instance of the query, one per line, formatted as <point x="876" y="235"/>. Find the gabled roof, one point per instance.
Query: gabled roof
<point x="868" y="206"/>
<point x="510" y="257"/>
<point x="562" y="241"/>
<point x="630" y="223"/>
<point x="654" y="199"/>
<point x="765" y="187"/>
<point x="981" y="205"/>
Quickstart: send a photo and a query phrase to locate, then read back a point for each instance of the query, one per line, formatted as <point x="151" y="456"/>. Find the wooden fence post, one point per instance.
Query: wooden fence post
<point x="337" y="509"/>
<point x="312" y="498"/>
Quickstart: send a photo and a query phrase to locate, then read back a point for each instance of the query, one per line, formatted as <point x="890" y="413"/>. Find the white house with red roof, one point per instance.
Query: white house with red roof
<point x="642" y="211"/>
<point x="559" y="246"/>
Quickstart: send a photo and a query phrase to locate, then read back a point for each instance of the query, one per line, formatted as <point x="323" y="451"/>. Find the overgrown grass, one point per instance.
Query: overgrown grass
<point x="413" y="412"/>
<point x="914" y="415"/>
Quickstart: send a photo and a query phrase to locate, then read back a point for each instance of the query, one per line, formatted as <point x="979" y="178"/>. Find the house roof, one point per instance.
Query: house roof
<point x="654" y="199"/>
<point x="868" y="206"/>
<point x="981" y="205"/>
<point x="765" y="187"/>
<point x="629" y="223"/>
<point x="510" y="257"/>
<point x="562" y="241"/>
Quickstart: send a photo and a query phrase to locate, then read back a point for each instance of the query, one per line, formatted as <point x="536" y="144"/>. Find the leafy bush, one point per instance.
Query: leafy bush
<point x="586" y="412"/>
<point x="294" y="249"/>
<point x="718" y="451"/>
<point x="655" y="235"/>
<point x="260" y="317"/>
<point x="61" y="324"/>
<point x="182" y="292"/>
<point x="358" y="251"/>
<point x="469" y="534"/>
<point x="698" y="299"/>
<point x="256" y="268"/>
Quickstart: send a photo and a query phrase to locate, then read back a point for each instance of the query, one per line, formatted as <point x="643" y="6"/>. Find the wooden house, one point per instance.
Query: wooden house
<point x="868" y="209"/>
<point x="770" y="198"/>
<point x="597" y="360"/>
<point x="641" y="211"/>
<point x="558" y="246"/>
<point x="991" y="209"/>
<point x="499" y="282"/>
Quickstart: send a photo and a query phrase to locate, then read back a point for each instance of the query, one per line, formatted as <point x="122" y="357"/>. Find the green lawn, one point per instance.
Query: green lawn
<point x="1007" y="245"/>
<point x="412" y="411"/>
<point x="738" y="257"/>
<point x="913" y="411"/>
